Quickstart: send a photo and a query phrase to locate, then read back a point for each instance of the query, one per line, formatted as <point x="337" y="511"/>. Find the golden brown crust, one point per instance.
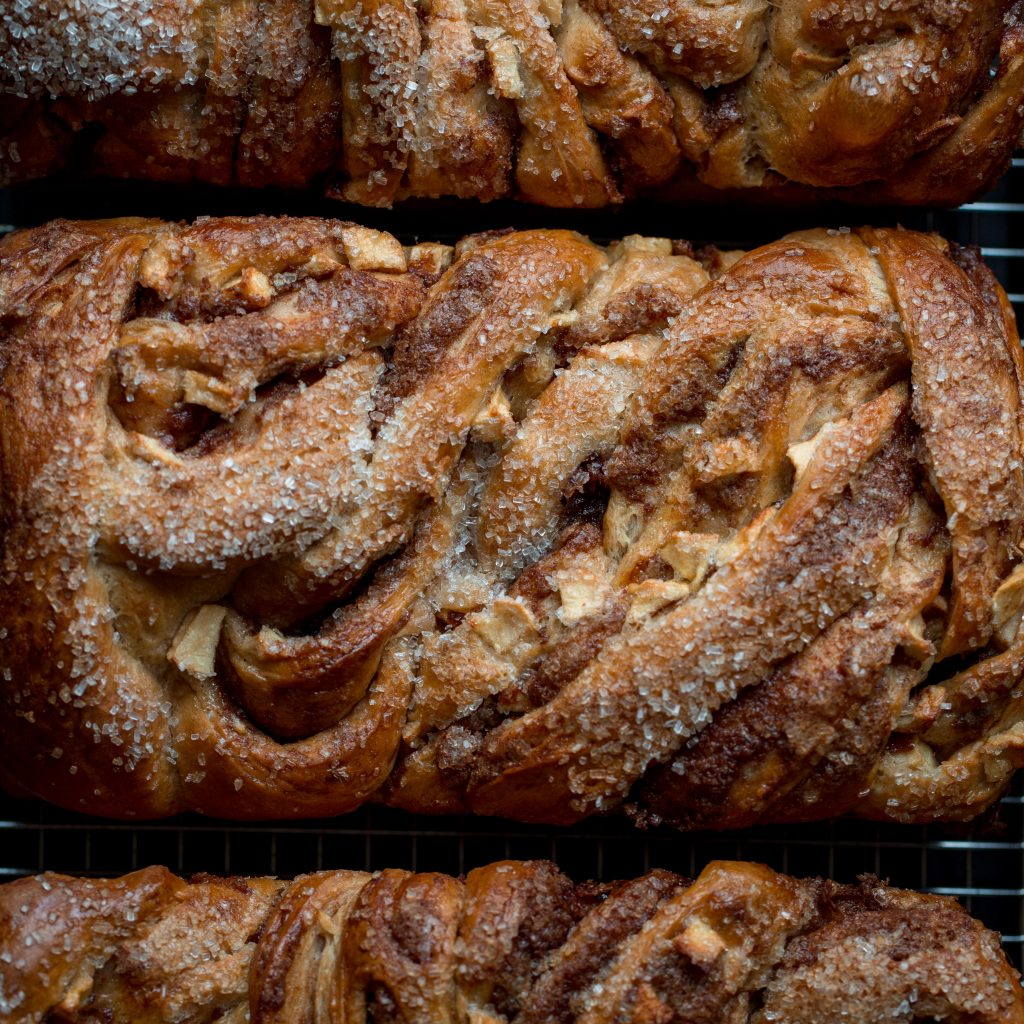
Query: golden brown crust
<point x="513" y="942"/>
<point x="294" y="517"/>
<point x="561" y="102"/>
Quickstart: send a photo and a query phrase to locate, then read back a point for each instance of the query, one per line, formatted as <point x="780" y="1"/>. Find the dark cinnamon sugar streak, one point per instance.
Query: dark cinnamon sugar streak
<point x="512" y="943"/>
<point x="561" y="102"/>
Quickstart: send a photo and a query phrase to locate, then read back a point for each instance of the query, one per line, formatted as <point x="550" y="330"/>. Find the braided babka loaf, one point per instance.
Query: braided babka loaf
<point x="561" y="102"/>
<point x="514" y="942"/>
<point x="293" y="516"/>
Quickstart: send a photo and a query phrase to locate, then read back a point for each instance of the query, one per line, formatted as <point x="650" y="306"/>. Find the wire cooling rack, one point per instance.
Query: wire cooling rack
<point x="981" y="864"/>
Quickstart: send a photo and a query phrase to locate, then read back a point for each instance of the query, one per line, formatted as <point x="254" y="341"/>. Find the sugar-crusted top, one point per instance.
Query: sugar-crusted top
<point x="573" y="103"/>
<point x="512" y="941"/>
<point x="294" y="515"/>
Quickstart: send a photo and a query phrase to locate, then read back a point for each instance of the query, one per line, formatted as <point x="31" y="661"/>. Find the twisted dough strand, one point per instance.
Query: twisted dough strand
<point x="561" y="102"/>
<point x="512" y="942"/>
<point x="295" y="517"/>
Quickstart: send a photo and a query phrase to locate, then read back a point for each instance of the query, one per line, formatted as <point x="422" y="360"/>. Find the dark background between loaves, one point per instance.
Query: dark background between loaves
<point x="981" y="864"/>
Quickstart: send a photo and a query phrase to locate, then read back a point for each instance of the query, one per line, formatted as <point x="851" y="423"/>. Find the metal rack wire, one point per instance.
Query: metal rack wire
<point x="981" y="864"/>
